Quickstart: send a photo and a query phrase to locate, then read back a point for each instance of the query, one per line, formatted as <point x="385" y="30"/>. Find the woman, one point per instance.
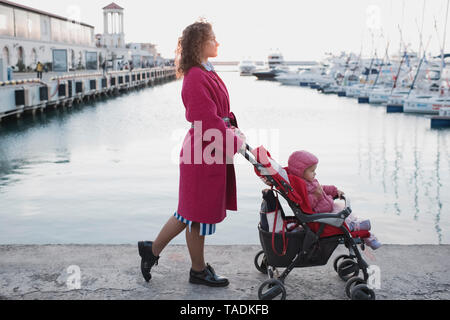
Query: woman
<point x="207" y="176"/>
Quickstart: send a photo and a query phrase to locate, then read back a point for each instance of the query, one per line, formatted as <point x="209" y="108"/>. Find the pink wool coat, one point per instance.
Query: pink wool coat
<point x="323" y="203"/>
<point x="207" y="189"/>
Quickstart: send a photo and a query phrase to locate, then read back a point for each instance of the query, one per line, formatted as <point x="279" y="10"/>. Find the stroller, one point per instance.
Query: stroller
<point x="317" y="236"/>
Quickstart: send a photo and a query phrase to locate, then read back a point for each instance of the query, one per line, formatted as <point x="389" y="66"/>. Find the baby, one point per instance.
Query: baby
<point x="303" y="165"/>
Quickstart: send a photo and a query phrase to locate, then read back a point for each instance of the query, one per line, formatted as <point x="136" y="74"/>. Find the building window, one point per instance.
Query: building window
<point x="77" y="30"/>
<point x="6" y="21"/>
<point x="21" y="24"/>
<point x="72" y="32"/>
<point x="34" y="26"/>
<point x="45" y="32"/>
<point x="27" y="25"/>
<point x="55" y="29"/>
<point x="65" y="31"/>
<point x="6" y="55"/>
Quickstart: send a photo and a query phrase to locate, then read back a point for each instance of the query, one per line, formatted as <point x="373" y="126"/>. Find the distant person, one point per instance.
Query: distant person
<point x="9" y="72"/>
<point x="39" y="69"/>
<point x="206" y="191"/>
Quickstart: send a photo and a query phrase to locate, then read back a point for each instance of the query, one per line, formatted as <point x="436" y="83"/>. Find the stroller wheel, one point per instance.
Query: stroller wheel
<point x="336" y="261"/>
<point x="347" y="269"/>
<point x="261" y="262"/>
<point x="362" y="292"/>
<point x="272" y="289"/>
<point x="351" y="284"/>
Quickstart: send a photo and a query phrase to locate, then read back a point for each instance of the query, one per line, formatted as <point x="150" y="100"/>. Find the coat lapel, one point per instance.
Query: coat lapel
<point x="213" y="75"/>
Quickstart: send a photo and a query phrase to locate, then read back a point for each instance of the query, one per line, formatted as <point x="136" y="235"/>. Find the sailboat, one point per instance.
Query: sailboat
<point x="434" y="100"/>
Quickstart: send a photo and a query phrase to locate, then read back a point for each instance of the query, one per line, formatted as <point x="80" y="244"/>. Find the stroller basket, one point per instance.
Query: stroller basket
<point x="319" y="255"/>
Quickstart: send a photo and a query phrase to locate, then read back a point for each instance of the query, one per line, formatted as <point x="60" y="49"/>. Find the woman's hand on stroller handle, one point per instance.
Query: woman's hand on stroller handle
<point x="266" y="181"/>
<point x="239" y="133"/>
<point x="241" y="136"/>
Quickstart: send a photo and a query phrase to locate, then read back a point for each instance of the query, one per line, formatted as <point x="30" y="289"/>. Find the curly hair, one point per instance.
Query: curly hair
<point x="190" y="46"/>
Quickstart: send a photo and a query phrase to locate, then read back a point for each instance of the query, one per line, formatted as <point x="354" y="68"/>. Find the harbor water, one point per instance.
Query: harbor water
<point x="107" y="172"/>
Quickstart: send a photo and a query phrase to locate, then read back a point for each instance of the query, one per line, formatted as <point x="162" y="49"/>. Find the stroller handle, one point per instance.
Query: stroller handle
<point x="247" y="153"/>
<point x="347" y="202"/>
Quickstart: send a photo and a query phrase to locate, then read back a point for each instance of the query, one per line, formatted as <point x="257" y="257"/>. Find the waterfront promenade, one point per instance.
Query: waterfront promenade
<point x="65" y="89"/>
<point x="416" y="272"/>
<point x="47" y="76"/>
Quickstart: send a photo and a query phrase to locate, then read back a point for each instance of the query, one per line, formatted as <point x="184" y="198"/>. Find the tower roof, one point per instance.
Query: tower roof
<point x="113" y="6"/>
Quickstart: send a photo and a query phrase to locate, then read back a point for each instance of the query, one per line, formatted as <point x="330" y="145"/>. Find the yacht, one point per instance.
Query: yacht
<point x="275" y="60"/>
<point x="247" y="67"/>
<point x="270" y="74"/>
<point x="350" y="79"/>
<point x="426" y="96"/>
<point x="354" y="90"/>
<point x="429" y="104"/>
<point x="302" y="77"/>
<point x="380" y="95"/>
<point x="396" y="100"/>
<point x="380" y="89"/>
<point x="330" y="88"/>
<point x="276" y="66"/>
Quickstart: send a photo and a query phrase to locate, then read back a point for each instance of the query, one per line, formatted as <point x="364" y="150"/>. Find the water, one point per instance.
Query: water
<point x="108" y="172"/>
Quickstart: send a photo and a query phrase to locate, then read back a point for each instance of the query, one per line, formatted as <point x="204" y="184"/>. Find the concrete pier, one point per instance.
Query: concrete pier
<point x="26" y="95"/>
<point x="417" y="272"/>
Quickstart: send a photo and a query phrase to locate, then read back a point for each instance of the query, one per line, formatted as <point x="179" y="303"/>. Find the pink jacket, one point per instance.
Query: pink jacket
<point x="207" y="190"/>
<point x="323" y="203"/>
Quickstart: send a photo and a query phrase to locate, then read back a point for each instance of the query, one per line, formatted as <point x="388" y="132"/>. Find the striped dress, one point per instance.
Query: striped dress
<point x="206" y="229"/>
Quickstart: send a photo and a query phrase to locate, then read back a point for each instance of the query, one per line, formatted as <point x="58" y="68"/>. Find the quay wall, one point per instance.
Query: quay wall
<point x="29" y="95"/>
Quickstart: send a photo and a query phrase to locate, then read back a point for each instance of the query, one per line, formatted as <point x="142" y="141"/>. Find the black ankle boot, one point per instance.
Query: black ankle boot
<point x="208" y="278"/>
<point x="148" y="259"/>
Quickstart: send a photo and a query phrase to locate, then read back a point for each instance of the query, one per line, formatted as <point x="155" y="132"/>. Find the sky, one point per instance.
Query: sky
<point x="299" y="29"/>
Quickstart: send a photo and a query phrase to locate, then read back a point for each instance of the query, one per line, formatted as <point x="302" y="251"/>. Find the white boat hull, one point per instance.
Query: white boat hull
<point x="379" y="96"/>
<point x="428" y="105"/>
<point x="353" y="91"/>
<point x="397" y="98"/>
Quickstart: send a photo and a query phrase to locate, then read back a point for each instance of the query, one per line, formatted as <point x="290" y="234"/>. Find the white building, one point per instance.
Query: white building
<point x="29" y="35"/>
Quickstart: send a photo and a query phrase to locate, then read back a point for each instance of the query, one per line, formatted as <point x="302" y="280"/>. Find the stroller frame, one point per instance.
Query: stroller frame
<point x="348" y="269"/>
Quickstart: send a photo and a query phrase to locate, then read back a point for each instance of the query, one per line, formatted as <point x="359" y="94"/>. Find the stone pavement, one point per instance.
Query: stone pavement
<point x="112" y="272"/>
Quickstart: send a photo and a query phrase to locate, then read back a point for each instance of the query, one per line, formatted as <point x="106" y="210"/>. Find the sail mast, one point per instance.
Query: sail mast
<point x="443" y="42"/>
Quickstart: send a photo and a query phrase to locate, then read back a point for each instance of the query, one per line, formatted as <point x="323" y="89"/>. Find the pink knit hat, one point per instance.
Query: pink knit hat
<point x="299" y="161"/>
